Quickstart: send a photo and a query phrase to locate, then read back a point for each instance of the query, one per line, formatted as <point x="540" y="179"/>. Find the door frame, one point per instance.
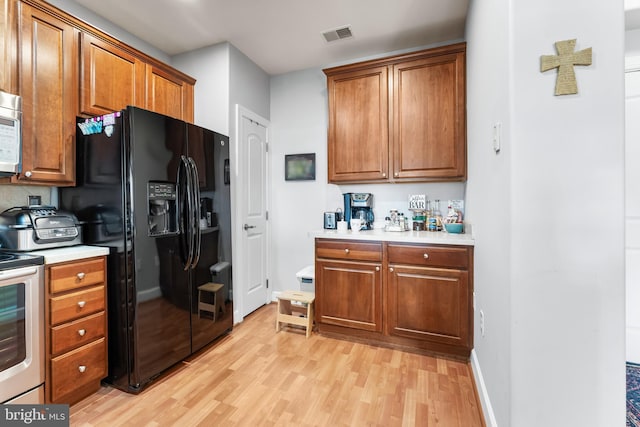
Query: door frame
<point x="240" y="268"/>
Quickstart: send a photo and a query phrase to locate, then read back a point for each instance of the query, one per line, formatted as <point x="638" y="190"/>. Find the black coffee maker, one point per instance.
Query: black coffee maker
<point x="359" y="205"/>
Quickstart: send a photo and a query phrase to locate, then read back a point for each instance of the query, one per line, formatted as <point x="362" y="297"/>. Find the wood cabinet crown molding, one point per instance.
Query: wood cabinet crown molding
<point x="88" y="28"/>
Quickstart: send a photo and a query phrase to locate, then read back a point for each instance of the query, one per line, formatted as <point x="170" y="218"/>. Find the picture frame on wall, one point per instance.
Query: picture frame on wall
<point x="300" y="167"/>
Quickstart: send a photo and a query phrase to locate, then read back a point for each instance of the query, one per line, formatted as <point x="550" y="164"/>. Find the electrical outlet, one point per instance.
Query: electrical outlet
<point x="482" y="323"/>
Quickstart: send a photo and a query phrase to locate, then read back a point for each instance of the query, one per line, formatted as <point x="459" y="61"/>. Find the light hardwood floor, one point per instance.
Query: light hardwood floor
<point x="255" y="376"/>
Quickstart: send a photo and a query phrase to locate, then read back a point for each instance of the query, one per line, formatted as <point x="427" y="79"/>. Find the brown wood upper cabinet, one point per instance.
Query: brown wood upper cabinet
<point x="111" y="78"/>
<point x="399" y="119"/>
<point x="63" y="68"/>
<point x="168" y="94"/>
<point x="48" y="84"/>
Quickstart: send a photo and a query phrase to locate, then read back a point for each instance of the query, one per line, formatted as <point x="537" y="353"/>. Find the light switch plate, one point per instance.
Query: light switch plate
<point x="497" y="137"/>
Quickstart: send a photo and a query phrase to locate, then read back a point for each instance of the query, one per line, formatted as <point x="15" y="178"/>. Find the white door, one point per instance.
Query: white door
<point x="253" y="137"/>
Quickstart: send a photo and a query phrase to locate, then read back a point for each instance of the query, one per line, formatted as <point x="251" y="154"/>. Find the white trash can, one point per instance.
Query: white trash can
<point x="306" y="277"/>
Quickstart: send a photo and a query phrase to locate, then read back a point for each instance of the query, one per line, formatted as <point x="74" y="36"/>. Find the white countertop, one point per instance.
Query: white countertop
<point x="70" y="253"/>
<point x="429" y="237"/>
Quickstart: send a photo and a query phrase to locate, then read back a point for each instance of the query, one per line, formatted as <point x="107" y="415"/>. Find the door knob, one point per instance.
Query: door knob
<point x="247" y="226"/>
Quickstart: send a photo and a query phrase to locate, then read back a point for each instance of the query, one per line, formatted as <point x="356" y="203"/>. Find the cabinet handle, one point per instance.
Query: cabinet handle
<point x="384" y="175"/>
<point x="426" y="256"/>
<point x="81" y="304"/>
<point x="82" y="368"/>
<point x="391" y="269"/>
<point x="28" y="174"/>
<point x="377" y="268"/>
<point x="346" y="251"/>
<point x="80" y="275"/>
<point x="396" y="174"/>
<point x="81" y="332"/>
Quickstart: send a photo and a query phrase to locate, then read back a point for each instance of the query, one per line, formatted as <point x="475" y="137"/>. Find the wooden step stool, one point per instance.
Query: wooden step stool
<point x="287" y="310"/>
<point x="218" y="304"/>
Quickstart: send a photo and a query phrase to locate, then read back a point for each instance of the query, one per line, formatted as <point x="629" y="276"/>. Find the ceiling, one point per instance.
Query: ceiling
<point x="286" y="35"/>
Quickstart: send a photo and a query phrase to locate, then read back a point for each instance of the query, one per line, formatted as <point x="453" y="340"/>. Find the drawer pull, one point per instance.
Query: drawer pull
<point x="81" y="332"/>
<point x="80" y="276"/>
<point x="82" y="368"/>
<point x="377" y="268"/>
<point x="391" y="269"/>
<point x="426" y="256"/>
<point x="346" y="251"/>
<point x="81" y="304"/>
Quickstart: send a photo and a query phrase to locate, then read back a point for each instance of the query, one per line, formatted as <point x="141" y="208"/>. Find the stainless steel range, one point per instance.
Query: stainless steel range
<point x="21" y="328"/>
<point x="30" y="228"/>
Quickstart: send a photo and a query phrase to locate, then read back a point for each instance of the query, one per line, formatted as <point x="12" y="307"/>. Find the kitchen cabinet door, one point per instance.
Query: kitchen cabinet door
<point x="429" y="304"/>
<point x="168" y="94"/>
<point x="111" y="78"/>
<point x="358" y="125"/>
<point x="7" y="47"/>
<point x="349" y="294"/>
<point x="48" y="70"/>
<point x="429" y="141"/>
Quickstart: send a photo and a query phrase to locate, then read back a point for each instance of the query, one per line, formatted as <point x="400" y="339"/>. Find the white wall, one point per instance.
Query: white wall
<point x="632" y="210"/>
<point x="299" y="120"/>
<point x="488" y="197"/>
<point x="564" y="165"/>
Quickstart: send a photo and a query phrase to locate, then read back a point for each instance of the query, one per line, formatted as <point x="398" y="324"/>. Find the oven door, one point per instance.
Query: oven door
<point x="21" y="332"/>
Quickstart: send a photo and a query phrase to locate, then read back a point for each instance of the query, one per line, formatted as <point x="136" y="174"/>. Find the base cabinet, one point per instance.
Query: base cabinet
<point x="76" y="338"/>
<point x="428" y="304"/>
<point x="354" y="297"/>
<point x="412" y="295"/>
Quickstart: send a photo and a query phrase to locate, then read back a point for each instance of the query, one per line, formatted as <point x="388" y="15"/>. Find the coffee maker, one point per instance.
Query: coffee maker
<point x="359" y="205"/>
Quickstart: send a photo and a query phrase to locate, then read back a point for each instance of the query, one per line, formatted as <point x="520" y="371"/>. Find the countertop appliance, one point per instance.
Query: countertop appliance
<point x="10" y="134"/>
<point x="21" y="328"/>
<point x="140" y="180"/>
<point x="359" y="205"/>
<point x="29" y="228"/>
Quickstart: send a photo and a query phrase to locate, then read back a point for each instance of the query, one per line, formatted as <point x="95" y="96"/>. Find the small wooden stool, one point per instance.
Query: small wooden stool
<point x="218" y="304"/>
<point x="286" y="309"/>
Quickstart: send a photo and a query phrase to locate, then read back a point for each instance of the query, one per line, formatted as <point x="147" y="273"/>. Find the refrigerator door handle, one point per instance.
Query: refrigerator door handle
<point x="195" y="185"/>
<point x="185" y="210"/>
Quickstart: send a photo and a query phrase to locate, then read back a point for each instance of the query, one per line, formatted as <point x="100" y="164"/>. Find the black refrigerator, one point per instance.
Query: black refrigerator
<point x="156" y="191"/>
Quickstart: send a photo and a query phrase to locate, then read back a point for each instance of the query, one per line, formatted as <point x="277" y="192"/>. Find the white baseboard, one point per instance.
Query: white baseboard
<point x="487" y="409"/>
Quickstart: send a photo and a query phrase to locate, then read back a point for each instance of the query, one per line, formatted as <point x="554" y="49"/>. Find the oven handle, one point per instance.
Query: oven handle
<point x="17" y="272"/>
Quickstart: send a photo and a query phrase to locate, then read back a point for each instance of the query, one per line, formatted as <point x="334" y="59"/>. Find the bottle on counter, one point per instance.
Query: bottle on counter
<point x="430" y="225"/>
<point x="438" y="216"/>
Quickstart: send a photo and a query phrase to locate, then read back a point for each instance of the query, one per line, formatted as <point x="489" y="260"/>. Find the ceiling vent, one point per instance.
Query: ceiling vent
<point x="337" y="34"/>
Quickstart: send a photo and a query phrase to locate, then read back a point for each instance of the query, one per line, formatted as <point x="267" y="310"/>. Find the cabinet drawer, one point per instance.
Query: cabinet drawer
<point x="77" y="304"/>
<point x="74" y="334"/>
<point x="78" y="368"/>
<point x="429" y="256"/>
<point x="349" y="250"/>
<point x="76" y="275"/>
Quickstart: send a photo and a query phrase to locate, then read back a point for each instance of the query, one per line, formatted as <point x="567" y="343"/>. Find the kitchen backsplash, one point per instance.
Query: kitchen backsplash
<point x="18" y="195"/>
<point x="396" y="196"/>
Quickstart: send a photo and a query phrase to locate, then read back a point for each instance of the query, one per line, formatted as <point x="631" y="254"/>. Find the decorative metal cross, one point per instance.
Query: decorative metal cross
<point x="565" y="60"/>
